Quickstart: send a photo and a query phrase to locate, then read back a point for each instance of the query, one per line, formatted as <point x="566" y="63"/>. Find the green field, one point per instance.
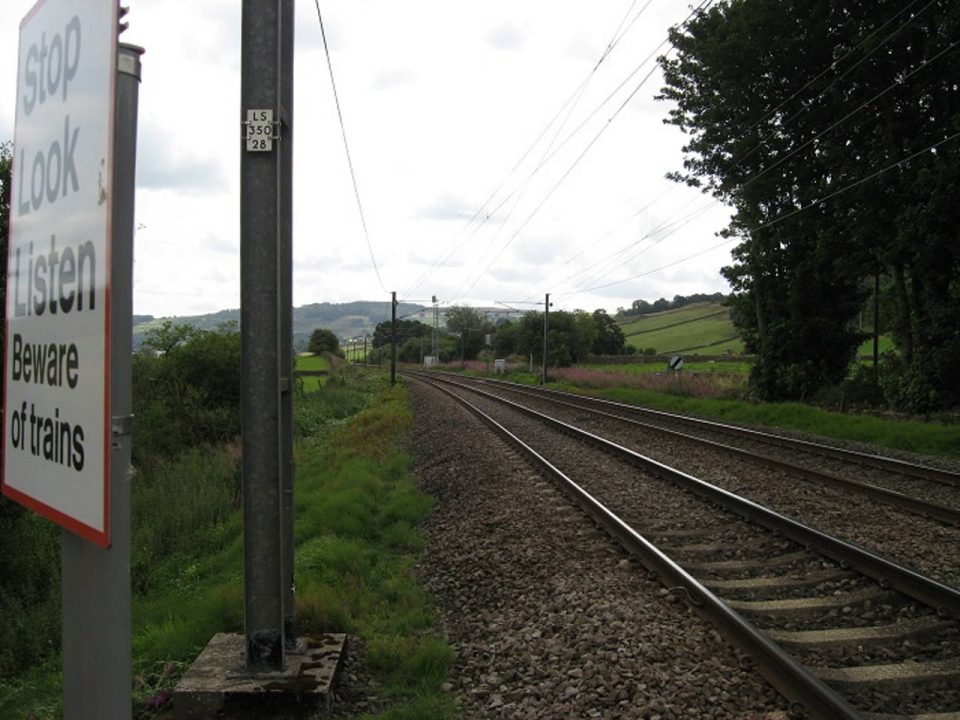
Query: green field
<point x="311" y="363"/>
<point x="704" y="327"/>
<point x="886" y="344"/>
<point x="315" y="363"/>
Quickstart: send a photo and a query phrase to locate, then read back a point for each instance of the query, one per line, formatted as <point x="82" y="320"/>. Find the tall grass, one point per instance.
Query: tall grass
<point x="357" y="510"/>
<point x="929" y="438"/>
<point x="684" y="384"/>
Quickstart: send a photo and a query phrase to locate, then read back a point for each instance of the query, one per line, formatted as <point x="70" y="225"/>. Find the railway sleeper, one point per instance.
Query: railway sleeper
<point x="775" y="583"/>
<point x="903" y="674"/>
<point x="809" y="606"/>
<point x="910" y="628"/>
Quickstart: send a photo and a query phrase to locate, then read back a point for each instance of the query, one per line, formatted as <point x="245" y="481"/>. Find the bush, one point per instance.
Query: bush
<point x="186" y="390"/>
<point x="907" y="388"/>
<point x="862" y="388"/>
<point x="30" y="607"/>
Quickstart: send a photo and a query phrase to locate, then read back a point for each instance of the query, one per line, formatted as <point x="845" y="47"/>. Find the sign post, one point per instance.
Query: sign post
<point x="266" y="94"/>
<point x="67" y="401"/>
<point x="57" y="413"/>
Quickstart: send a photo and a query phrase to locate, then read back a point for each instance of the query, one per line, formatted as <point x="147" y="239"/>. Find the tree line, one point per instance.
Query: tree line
<point x="831" y="129"/>
<point x="641" y="307"/>
<point x="470" y="335"/>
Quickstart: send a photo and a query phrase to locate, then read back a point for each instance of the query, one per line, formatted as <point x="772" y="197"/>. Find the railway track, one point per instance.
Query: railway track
<point x="845" y="632"/>
<point x="914" y="488"/>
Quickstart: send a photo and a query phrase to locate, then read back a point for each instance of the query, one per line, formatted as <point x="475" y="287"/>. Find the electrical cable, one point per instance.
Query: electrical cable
<point x="604" y="236"/>
<point x="558" y="183"/>
<point x="895" y="84"/>
<point x="346" y="147"/>
<point x="900" y="81"/>
<point x="828" y="87"/>
<point x="780" y="218"/>
<point x="664" y="230"/>
<point x="703" y="6"/>
<point x="833" y="82"/>
<point x="570" y="102"/>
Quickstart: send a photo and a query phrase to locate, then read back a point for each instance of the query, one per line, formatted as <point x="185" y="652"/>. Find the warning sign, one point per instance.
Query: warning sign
<point x="56" y="427"/>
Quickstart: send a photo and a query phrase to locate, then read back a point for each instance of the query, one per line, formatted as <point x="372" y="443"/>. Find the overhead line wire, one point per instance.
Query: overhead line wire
<point x="780" y="218"/>
<point x="672" y="226"/>
<point x="558" y="183"/>
<point x="346" y="147"/>
<point x="820" y="93"/>
<point x="603" y="237"/>
<point x="828" y="87"/>
<point x="836" y="79"/>
<point x="895" y="84"/>
<point x="703" y="5"/>
<point x="573" y="98"/>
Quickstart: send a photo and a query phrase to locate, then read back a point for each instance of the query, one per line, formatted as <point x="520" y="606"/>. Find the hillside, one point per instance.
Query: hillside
<point x="705" y="328"/>
<point x="346" y="320"/>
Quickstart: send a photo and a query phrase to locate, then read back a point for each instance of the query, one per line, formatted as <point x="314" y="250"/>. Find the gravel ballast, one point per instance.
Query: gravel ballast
<point x="925" y="545"/>
<point x="549" y="617"/>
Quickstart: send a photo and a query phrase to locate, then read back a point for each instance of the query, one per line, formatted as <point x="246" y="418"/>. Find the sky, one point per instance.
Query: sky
<point x="443" y="104"/>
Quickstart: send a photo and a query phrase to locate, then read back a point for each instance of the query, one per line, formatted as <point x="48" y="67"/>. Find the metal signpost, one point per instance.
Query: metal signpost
<point x="265" y="299"/>
<point x="393" y="338"/>
<point x="546" y="327"/>
<point x="66" y="433"/>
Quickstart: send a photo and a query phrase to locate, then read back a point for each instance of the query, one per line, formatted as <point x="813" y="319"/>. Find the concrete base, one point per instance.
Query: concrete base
<point x="217" y="686"/>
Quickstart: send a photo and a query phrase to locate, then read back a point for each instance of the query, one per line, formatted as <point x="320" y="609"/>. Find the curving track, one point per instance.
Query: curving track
<point x="844" y="631"/>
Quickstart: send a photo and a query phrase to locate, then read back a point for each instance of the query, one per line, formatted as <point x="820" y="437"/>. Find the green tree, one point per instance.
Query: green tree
<point x="610" y="338"/>
<point x="323" y="340"/>
<point x="406" y="329"/>
<point x="789" y="105"/>
<point x="570" y="337"/>
<point x="470" y="326"/>
<point x="186" y="390"/>
<point x="505" y="338"/>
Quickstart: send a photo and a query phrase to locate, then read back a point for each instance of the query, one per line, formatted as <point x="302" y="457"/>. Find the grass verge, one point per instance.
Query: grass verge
<point x="357" y="509"/>
<point x="927" y="438"/>
<point x="911" y="435"/>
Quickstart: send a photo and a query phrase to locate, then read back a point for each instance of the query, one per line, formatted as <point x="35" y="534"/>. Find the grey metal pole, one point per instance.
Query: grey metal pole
<point x="393" y="338"/>
<point x="260" y="229"/>
<point x="95" y="583"/>
<point x="286" y="317"/>
<point x="876" y="326"/>
<point x="364" y="350"/>
<point x="546" y="326"/>
<point x="436" y="330"/>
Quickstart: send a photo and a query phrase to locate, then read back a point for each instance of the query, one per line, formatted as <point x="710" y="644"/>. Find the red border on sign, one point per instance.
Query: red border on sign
<point x="87" y="532"/>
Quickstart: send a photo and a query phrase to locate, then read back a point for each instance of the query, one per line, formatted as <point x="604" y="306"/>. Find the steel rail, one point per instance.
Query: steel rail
<point x="780" y="669"/>
<point x="900" y="500"/>
<point x="903" y="467"/>
<point x="943" y="598"/>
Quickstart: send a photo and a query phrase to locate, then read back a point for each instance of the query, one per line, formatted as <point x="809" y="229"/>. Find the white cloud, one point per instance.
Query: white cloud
<point x="448" y="207"/>
<point x="394" y="78"/>
<point x="507" y="36"/>
<point x="440" y="101"/>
